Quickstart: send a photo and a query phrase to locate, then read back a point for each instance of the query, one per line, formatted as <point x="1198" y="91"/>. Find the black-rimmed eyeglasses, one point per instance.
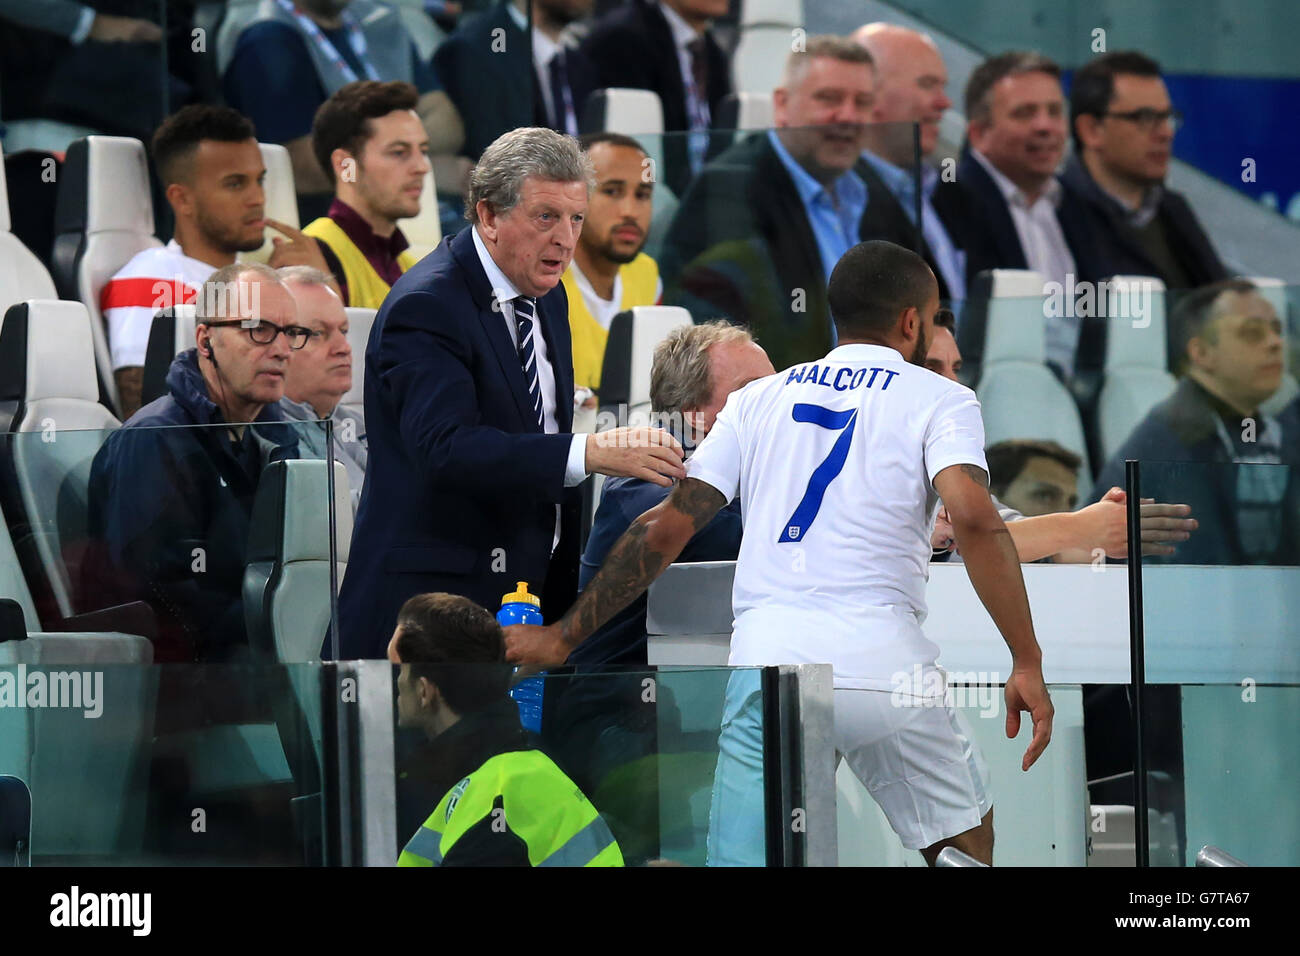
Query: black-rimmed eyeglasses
<point x="263" y="332"/>
<point x="1147" y="119"/>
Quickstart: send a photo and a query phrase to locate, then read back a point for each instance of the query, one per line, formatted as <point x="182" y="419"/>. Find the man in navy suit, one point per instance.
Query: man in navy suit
<point x="472" y="480"/>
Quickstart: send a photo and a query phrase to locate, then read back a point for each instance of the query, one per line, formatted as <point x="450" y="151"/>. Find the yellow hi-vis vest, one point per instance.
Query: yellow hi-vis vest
<point x="640" y="279"/>
<point x="366" y="289"/>
<point x="542" y="807"/>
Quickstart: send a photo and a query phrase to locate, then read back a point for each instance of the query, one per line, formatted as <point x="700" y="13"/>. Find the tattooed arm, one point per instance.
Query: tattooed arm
<point x="653" y="542"/>
<point x="994" y="569"/>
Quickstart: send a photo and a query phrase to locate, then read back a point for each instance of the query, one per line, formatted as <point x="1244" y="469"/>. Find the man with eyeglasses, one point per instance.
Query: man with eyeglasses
<point x="321" y="374"/>
<point x="1123" y="126"/>
<point x="171" y="492"/>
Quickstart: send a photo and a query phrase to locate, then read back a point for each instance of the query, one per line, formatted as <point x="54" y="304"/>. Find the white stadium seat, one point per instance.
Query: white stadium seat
<point x="359" y="323"/>
<point x="104" y="217"/>
<point x="1020" y="396"/>
<point x="745" y="113"/>
<point x="629" y="354"/>
<point x="22" y="276"/>
<point x="51" y="381"/>
<point x="1135" y="375"/>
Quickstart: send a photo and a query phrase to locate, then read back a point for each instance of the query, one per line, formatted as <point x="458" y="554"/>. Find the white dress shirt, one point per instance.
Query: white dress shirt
<point x="505" y="293"/>
<point x="1046" y="252"/>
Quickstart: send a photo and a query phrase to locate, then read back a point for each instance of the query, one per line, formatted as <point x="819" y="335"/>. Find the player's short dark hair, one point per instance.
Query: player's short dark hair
<point x="456" y="645"/>
<point x="178" y="136"/>
<point x="874" y="283"/>
<point x="997" y="68"/>
<point x="343" y="120"/>
<point x="588" y="140"/>
<point x="945" y="319"/>
<point x="1191" y="317"/>
<point x="1007" y="459"/>
<point x="1093" y="85"/>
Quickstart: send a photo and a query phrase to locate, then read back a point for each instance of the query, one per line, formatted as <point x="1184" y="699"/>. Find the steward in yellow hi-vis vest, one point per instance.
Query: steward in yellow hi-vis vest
<point x="517" y="809"/>
<point x="640" y="281"/>
<point x="365" y="287"/>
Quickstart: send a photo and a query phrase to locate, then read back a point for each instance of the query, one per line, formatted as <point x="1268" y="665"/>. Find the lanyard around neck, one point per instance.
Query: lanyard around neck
<point x="356" y="40"/>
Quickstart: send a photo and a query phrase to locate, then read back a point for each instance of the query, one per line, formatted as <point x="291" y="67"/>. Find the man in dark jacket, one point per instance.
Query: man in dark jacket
<point x="666" y="46"/>
<point x="1123" y="126"/>
<point x="762" y="226"/>
<point x="1243" y="487"/>
<point x="171" y="492"/>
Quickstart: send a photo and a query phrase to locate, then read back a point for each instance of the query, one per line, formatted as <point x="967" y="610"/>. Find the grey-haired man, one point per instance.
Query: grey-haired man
<point x="472" y="476"/>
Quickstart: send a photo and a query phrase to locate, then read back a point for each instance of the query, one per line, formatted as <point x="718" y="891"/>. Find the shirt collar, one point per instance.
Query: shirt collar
<point x="1011" y="192"/>
<point x="846" y="188"/>
<point x="503" y="290"/>
<point x="363" y="237"/>
<point x="175" y="249"/>
<point x="303" y="411"/>
<point x="683" y="32"/>
<point x="1146" y="210"/>
<point x="863" y="351"/>
<point x="517" y="15"/>
<point x="544" y="48"/>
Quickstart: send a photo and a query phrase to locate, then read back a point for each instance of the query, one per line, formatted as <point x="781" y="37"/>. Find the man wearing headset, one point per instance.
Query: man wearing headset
<point x="171" y="492"/>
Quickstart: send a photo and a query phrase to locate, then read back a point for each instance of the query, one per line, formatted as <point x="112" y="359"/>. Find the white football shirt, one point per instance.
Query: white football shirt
<point x="156" y="278"/>
<point x="833" y="461"/>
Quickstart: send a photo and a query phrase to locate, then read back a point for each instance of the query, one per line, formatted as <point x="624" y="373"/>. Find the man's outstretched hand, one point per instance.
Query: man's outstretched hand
<point x="535" y="646"/>
<point x="1026" y="691"/>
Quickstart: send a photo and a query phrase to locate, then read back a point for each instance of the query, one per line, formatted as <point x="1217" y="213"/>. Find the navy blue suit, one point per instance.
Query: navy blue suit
<point x="462" y="483"/>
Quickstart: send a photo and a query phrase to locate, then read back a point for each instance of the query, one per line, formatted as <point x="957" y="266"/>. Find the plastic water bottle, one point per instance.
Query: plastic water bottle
<point x="520" y="607"/>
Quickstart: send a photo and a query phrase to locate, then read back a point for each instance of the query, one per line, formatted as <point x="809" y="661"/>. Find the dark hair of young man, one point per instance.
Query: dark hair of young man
<point x="177" y="139"/>
<point x="457" y="646"/>
<point x="872" y="284"/>
<point x="343" y="120"/>
<point x="1093" y="85"/>
<point x="588" y="140"/>
<point x="1007" y="459"/>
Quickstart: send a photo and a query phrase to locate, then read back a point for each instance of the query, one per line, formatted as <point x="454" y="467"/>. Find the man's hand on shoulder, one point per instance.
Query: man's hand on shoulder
<point x="650" y="454"/>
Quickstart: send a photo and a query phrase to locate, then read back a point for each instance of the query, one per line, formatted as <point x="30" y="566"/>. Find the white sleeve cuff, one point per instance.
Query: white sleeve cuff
<point x="83" y="25"/>
<point x="576" y="469"/>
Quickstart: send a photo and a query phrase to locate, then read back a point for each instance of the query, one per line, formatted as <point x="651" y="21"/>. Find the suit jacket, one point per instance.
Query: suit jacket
<point x="461" y="482"/>
<point x="885" y="218"/>
<point x="977" y="216"/>
<point x="741" y="246"/>
<point x="489" y="100"/>
<point x="1119" y="250"/>
<point x="632" y="46"/>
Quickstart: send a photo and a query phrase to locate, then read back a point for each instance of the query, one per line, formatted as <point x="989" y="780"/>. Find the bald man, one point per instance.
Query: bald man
<point x="911" y="89"/>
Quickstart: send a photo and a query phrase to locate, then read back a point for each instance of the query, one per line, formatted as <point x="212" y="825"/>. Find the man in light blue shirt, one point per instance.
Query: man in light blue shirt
<point x="910" y="82"/>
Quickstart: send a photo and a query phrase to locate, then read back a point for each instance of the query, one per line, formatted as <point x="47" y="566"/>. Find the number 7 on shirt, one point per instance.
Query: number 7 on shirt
<point x="826" y="472"/>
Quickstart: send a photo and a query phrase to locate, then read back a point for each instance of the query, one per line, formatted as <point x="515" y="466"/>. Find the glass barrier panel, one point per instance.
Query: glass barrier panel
<point x="1222" y="666"/>
<point x="672" y="759"/>
<point x="212" y="543"/>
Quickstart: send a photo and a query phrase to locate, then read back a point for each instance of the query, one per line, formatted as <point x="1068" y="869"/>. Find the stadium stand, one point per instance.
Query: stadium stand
<point x="22" y="276"/>
<point x="1135" y="374"/>
<point x="766" y="28"/>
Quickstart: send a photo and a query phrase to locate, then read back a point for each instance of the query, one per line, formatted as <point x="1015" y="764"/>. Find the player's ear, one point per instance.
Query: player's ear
<point x="909" y="324"/>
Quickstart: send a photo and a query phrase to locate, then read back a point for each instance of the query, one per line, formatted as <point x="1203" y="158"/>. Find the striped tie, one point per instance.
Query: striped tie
<point x="527" y="357"/>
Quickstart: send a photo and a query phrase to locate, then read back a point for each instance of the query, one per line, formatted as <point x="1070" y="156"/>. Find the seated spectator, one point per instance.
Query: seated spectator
<point x="910" y="81"/>
<point x="762" y="226"/>
<point x="374" y="148"/>
<point x="609" y="273"/>
<point x="1231" y="342"/>
<point x="695" y="368"/>
<point x="495" y="101"/>
<point x="1063" y="536"/>
<point x="304" y="52"/>
<point x="1034" y="477"/>
<point x="501" y="802"/>
<point x="169" y="507"/>
<point x="321" y="374"/>
<point x="666" y="46"/>
<point x="1007" y="204"/>
<point x="1123" y="125"/>
<point x="209" y="164"/>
